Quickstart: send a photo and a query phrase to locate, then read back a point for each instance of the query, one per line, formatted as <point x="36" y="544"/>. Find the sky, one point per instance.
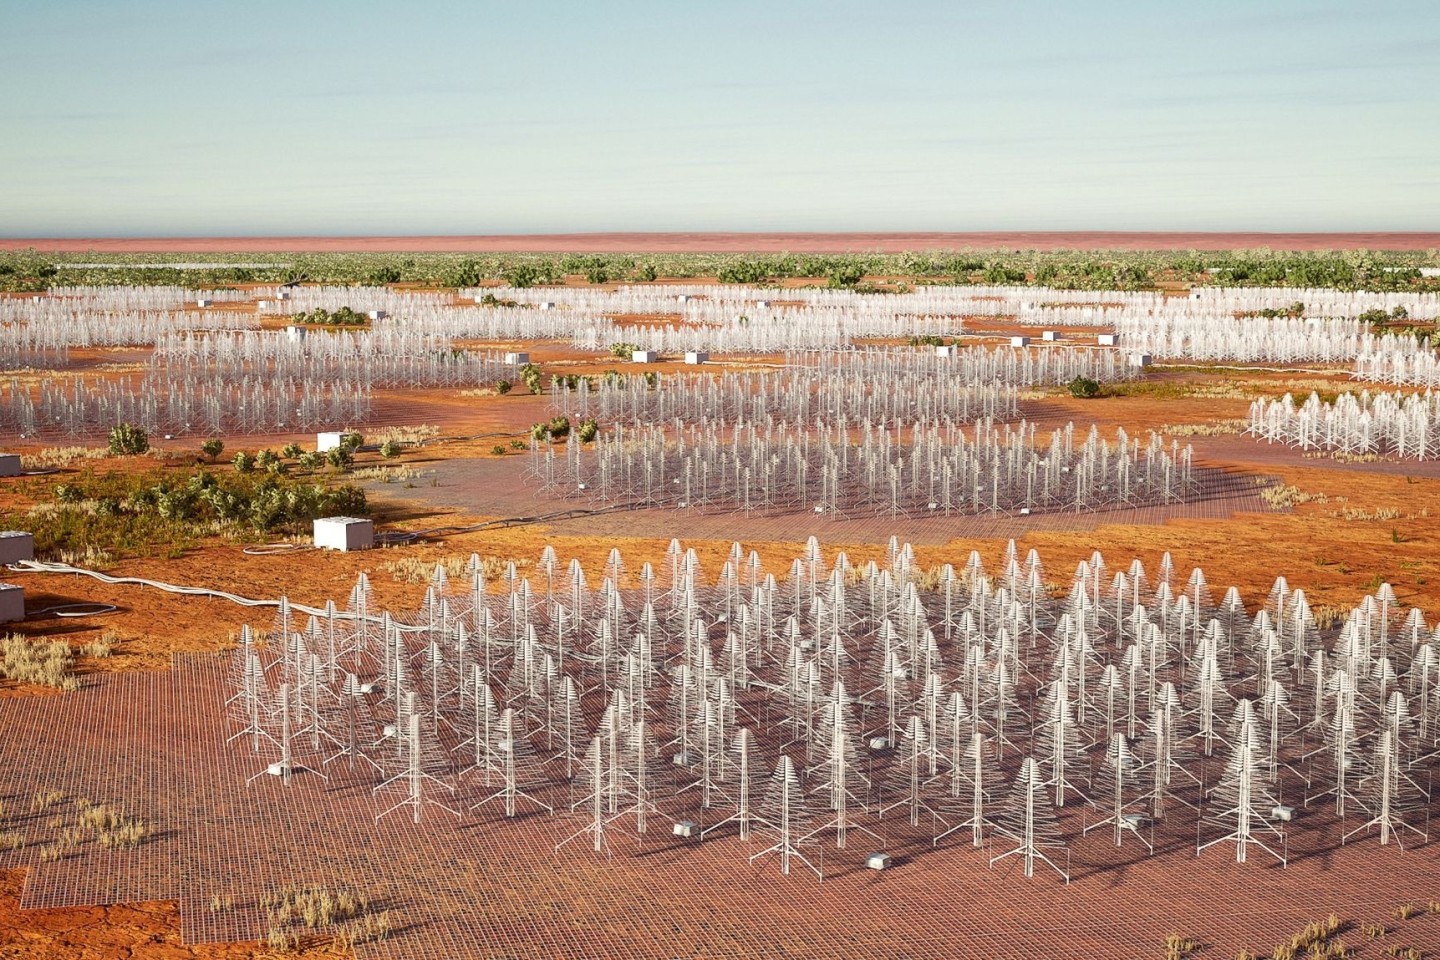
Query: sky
<point x="357" y="117"/>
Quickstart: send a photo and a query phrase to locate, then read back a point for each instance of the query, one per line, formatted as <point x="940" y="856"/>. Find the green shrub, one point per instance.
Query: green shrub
<point x="743" y="271"/>
<point x="587" y="430"/>
<point x="244" y="462"/>
<point x="340" y="458"/>
<point x="503" y="387"/>
<point x="343" y="317"/>
<point x="124" y="513"/>
<point x="291" y="451"/>
<point x="389" y="449"/>
<point x="623" y="350"/>
<point x="351" y="442"/>
<point x="266" y="459"/>
<point x="128" y="440"/>
<point x="1084" y="388"/>
<point x="498" y="450"/>
<point x="310" y="460"/>
<point x="517" y="444"/>
<point x="521" y="275"/>
<point x="559" y="427"/>
<point x="212" y="448"/>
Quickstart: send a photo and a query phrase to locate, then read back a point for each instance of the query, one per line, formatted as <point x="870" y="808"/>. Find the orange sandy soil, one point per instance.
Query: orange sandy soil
<point x="131" y="931"/>
<point x="1316" y="547"/>
<point x="738" y="242"/>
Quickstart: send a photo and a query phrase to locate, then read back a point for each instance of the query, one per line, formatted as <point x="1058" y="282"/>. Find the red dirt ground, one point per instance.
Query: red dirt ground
<point x="740" y="242"/>
<point x="1306" y="544"/>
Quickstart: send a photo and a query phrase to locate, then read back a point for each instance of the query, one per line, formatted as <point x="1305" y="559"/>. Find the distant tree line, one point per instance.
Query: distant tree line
<point x="29" y="270"/>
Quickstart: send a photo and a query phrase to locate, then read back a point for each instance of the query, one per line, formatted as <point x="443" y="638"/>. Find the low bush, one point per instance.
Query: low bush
<point x="128" y="440"/>
<point x="129" y="514"/>
<point x="343" y="317"/>
<point x="1084" y="388"/>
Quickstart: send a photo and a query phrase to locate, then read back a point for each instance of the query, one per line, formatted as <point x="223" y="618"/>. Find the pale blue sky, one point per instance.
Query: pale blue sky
<point x="126" y="117"/>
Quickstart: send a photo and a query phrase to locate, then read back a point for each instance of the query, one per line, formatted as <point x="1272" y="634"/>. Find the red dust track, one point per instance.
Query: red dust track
<point x="696" y="242"/>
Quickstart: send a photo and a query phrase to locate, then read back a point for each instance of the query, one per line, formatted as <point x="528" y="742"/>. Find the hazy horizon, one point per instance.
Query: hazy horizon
<point x="149" y="119"/>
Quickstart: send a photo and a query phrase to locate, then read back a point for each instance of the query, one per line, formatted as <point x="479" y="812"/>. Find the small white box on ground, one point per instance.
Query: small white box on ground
<point x="1139" y="359"/>
<point x="344" y="533"/>
<point x="685" y="828"/>
<point x="204" y="302"/>
<point x="1019" y="341"/>
<point x="683" y="298"/>
<point x="1052" y="336"/>
<point x="696" y="357"/>
<point x="517" y="359"/>
<point x="261" y="304"/>
<point x="377" y="314"/>
<point x="1108" y="339"/>
<point x="283" y="295"/>
<point x="547" y="304"/>
<point x="9" y="464"/>
<point x="16" y="545"/>
<point x="878" y="861"/>
<point x="643" y="356"/>
<point x="1283" y="813"/>
<point x="328" y="441"/>
<point x="12" y="602"/>
<point x="762" y="304"/>
<point x="295" y="333"/>
<point x="949" y="350"/>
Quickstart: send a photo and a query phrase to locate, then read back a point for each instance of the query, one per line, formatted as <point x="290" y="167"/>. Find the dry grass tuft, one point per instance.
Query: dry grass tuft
<point x="47" y="664"/>
<point x="389" y="474"/>
<point x="103" y="645"/>
<point x="414" y="434"/>
<point x="415" y="570"/>
<point x="111" y="827"/>
<point x="1217" y="428"/>
<point x="1284" y="497"/>
<point x="63" y="456"/>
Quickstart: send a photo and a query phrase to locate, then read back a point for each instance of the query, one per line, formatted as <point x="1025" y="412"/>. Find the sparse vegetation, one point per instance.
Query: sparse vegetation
<point x="419" y="433"/>
<point x="1217" y="428"/>
<point x="117" y="514"/>
<point x="415" y="570"/>
<point x="103" y="645"/>
<point x="339" y="914"/>
<point x="1178" y="947"/>
<point x="1282" y="497"/>
<point x="342" y="317"/>
<point x="46" y="663"/>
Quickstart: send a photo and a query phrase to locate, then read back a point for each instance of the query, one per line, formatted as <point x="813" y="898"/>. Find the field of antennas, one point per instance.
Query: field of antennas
<point x="720" y="611"/>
